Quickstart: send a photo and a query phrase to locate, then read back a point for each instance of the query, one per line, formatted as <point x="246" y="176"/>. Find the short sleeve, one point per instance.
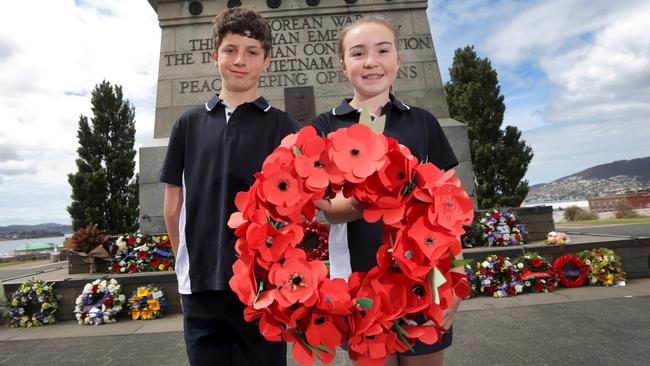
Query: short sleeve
<point x="171" y="171"/>
<point x="290" y="125"/>
<point x="440" y="152"/>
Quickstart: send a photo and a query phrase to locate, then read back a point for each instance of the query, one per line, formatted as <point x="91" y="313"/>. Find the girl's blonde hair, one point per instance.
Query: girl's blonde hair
<point x="372" y="19"/>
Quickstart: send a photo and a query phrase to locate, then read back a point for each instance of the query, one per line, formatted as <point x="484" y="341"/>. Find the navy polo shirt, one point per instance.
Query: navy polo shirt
<point x="413" y="127"/>
<point x="213" y="158"/>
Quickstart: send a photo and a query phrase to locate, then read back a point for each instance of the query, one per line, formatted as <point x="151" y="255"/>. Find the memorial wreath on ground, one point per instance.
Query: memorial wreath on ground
<point x="422" y="210"/>
<point x="99" y="302"/>
<point x="33" y="304"/>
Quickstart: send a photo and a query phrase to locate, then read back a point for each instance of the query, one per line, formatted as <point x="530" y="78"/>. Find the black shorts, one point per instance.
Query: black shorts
<point x="217" y="334"/>
<point x="420" y="348"/>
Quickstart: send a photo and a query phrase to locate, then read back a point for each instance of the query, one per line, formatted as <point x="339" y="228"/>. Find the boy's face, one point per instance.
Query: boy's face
<point x="241" y="61"/>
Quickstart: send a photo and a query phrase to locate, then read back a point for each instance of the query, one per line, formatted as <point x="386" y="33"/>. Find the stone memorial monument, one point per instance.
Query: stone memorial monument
<point x="304" y="77"/>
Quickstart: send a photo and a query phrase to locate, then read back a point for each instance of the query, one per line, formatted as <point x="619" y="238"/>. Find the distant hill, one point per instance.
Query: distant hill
<point x="617" y="177"/>
<point x="33" y="231"/>
<point x="639" y="168"/>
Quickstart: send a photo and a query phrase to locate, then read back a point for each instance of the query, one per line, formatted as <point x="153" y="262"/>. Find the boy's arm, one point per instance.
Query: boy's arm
<point x="340" y="210"/>
<point x="172" y="212"/>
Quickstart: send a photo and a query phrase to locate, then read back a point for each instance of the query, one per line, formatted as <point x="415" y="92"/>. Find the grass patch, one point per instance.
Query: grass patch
<point x="23" y="263"/>
<point x="635" y="220"/>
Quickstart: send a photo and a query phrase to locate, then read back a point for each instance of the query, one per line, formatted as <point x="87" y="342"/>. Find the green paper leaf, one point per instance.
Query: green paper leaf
<point x="275" y="224"/>
<point x="325" y="349"/>
<point x="364" y="303"/>
<point x="296" y="150"/>
<point x="377" y="126"/>
<point x="260" y="288"/>
<point x="461" y="262"/>
<point x="399" y="328"/>
<point x="303" y="340"/>
<point x="365" y="118"/>
<point x="400" y="334"/>
<point x="438" y="280"/>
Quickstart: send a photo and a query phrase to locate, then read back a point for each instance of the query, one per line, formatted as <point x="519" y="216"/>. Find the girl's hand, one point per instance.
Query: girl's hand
<point x="447" y="316"/>
<point x="450" y="313"/>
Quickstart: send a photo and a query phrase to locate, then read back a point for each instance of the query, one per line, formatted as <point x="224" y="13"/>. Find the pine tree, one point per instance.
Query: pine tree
<point x="104" y="189"/>
<point x="500" y="158"/>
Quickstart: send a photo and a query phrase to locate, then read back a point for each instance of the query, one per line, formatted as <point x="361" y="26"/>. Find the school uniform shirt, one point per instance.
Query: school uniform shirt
<point x="413" y="127"/>
<point x="213" y="153"/>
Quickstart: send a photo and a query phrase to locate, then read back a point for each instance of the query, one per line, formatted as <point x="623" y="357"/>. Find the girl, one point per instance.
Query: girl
<point x="370" y="59"/>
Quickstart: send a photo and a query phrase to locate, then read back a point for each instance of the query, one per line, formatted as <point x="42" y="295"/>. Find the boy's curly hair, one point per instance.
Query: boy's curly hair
<point x="243" y="21"/>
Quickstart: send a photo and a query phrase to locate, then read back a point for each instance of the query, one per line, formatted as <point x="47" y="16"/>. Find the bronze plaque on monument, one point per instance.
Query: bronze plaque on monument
<point x="299" y="102"/>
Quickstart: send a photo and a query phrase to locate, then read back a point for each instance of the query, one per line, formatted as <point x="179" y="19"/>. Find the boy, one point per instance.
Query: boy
<point x="213" y="152"/>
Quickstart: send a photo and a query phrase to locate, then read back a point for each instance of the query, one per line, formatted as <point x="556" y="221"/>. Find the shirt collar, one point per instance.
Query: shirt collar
<point x="260" y="103"/>
<point x="345" y="107"/>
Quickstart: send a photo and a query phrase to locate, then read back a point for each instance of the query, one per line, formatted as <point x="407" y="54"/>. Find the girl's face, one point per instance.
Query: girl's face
<point x="370" y="59"/>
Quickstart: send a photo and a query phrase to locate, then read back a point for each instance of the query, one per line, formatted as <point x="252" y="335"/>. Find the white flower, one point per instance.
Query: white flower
<point x="113" y="281"/>
<point x="485" y="264"/>
<point x="519" y="288"/>
<point x="122" y="269"/>
<point x="121" y="298"/>
<point x="87" y="288"/>
<point x="487" y="282"/>
<point x="520" y="265"/>
<point x="527" y="283"/>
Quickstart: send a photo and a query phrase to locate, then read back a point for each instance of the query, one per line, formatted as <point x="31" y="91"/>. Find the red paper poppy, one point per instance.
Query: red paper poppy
<point x="453" y="208"/>
<point x="397" y="173"/>
<point x="357" y="152"/>
<point x="410" y="259"/>
<point x="536" y="262"/>
<point x="280" y="187"/>
<point x="433" y="243"/>
<point x="313" y="162"/>
<point x="389" y="209"/>
<point x="243" y="281"/>
<point x="334" y="297"/>
<point x="297" y="280"/>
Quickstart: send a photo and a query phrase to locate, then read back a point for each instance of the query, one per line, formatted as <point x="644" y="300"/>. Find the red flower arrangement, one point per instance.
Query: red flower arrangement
<point x="315" y="240"/>
<point x="571" y="271"/>
<point x="538" y="274"/>
<point x="285" y="285"/>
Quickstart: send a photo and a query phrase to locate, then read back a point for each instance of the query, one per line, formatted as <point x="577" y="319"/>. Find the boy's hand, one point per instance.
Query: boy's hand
<point x="323" y="205"/>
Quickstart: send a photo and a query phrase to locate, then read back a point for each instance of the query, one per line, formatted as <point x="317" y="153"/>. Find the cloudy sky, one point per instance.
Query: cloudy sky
<point x="575" y="75"/>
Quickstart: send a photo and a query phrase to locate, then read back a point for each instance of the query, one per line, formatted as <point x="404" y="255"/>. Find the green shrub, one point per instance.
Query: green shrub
<point x="575" y="213"/>
<point x="625" y="210"/>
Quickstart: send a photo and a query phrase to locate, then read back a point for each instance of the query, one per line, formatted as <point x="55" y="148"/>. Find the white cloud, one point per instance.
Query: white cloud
<point x="49" y="65"/>
<point x="575" y="74"/>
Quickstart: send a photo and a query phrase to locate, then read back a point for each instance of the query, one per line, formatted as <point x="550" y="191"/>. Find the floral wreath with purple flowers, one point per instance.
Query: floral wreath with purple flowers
<point x="99" y="303"/>
<point x="499" y="227"/>
<point x="498" y="277"/>
<point x="33" y="304"/>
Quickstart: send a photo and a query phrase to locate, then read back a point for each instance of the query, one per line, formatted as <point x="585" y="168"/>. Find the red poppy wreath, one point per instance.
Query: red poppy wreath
<point x="571" y="271"/>
<point x="422" y="210"/>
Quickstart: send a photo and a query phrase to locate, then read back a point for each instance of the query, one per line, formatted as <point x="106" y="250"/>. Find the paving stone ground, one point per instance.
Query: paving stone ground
<point x="586" y="326"/>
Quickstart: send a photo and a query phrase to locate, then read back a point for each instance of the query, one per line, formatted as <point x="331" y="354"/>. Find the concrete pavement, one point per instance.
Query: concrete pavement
<point x="583" y="326"/>
<point x="632" y="230"/>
